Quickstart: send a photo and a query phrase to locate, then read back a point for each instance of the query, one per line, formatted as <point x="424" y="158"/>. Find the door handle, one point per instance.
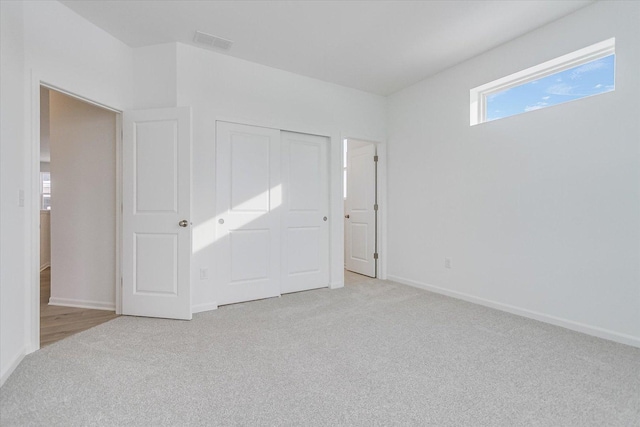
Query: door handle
<point x="347" y="216"/>
<point x="183" y="223"/>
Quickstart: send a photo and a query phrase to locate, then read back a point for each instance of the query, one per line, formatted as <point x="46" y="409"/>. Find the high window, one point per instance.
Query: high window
<point x="585" y="72"/>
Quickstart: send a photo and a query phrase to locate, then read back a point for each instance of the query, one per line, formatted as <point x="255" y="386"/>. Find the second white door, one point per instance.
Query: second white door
<point x="272" y="201"/>
<point x="360" y="211"/>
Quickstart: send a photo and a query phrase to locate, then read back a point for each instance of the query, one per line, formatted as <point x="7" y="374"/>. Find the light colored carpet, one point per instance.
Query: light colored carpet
<point x="373" y="353"/>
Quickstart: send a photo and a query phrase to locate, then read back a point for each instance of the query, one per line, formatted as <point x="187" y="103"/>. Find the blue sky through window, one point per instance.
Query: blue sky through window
<point x="587" y="79"/>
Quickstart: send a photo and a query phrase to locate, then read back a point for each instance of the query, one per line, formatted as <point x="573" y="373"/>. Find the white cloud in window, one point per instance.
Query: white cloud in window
<point x="590" y="66"/>
<point x="560" y="89"/>
<point x="537" y="106"/>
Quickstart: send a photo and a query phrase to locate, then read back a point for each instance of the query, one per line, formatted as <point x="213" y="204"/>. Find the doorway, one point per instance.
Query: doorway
<point x="79" y="218"/>
<point x="360" y="165"/>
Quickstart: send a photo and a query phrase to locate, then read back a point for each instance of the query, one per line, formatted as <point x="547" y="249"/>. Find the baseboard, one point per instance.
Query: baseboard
<point x="44" y="267"/>
<point x="199" y="308"/>
<point x="535" y="315"/>
<point x="94" y="305"/>
<point x="12" y="366"/>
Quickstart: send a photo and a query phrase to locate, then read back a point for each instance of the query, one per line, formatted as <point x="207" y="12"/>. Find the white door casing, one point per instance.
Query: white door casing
<point x="360" y="215"/>
<point x="305" y="212"/>
<point x="248" y="199"/>
<point x="156" y="167"/>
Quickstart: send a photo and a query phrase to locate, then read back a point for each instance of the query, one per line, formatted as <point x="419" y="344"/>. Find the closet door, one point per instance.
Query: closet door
<point x="305" y="212"/>
<point x="248" y="196"/>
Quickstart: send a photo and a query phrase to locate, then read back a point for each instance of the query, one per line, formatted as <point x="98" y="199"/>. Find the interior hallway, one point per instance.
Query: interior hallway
<point x="57" y="322"/>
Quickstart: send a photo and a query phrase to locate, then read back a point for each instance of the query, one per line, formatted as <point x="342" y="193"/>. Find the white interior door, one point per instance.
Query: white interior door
<point x="360" y="215"/>
<point x="156" y="213"/>
<point x="305" y="211"/>
<point x="248" y="199"/>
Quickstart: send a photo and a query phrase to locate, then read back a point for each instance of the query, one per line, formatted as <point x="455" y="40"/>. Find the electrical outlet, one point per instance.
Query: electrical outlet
<point x="204" y="273"/>
<point x="447" y="263"/>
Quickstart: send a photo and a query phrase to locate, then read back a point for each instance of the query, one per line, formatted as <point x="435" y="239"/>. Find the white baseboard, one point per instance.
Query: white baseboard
<point x="199" y="308"/>
<point x="44" y="267"/>
<point x="542" y="317"/>
<point x="94" y="305"/>
<point x="12" y="366"/>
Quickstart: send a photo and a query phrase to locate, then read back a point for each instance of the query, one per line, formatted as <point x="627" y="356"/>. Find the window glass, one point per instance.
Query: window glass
<point x="579" y="74"/>
<point x="588" y="79"/>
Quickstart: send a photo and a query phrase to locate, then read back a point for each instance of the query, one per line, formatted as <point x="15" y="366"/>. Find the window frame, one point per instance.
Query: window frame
<point x="478" y="95"/>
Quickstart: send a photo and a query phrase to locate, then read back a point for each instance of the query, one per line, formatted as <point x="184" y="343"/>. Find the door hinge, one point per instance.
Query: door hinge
<point x="121" y="282"/>
<point x="375" y="256"/>
<point x="375" y="207"/>
<point x="375" y="158"/>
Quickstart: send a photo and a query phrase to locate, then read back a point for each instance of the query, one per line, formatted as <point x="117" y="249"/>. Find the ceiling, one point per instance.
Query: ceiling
<point x="375" y="46"/>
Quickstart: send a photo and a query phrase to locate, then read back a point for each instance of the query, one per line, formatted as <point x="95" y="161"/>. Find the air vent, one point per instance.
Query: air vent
<point x="210" y="40"/>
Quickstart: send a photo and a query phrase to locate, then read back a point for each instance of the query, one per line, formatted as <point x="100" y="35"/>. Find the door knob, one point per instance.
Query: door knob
<point x="183" y="223"/>
<point x="324" y="218"/>
<point x="346" y="216"/>
<point x="221" y="221"/>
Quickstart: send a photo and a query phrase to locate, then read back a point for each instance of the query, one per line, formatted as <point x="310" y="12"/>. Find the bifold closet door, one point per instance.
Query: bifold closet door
<point x="305" y="212"/>
<point x="248" y="197"/>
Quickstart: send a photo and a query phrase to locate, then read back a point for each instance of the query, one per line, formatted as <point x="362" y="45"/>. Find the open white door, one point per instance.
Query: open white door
<point x="360" y="214"/>
<point x="305" y="211"/>
<point x="248" y="199"/>
<point x="156" y="213"/>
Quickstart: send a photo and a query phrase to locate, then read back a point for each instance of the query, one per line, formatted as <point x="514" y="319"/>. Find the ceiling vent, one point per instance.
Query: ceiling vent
<point x="210" y="40"/>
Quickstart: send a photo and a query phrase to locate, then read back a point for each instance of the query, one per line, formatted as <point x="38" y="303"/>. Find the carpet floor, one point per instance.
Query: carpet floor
<point x="371" y="354"/>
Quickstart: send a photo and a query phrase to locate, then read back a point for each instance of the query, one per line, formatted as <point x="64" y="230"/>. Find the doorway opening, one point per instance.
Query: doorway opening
<point x="360" y="192"/>
<point x="79" y="219"/>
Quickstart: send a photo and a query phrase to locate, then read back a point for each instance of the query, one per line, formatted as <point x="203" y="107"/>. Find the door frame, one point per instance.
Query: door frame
<point x="381" y="190"/>
<point x="33" y="290"/>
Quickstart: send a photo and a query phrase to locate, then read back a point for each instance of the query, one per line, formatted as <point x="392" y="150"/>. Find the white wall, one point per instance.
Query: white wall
<point x="155" y="76"/>
<point x="47" y="41"/>
<point x="12" y="178"/>
<point x="83" y="204"/>
<point x="221" y="87"/>
<point x="539" y="212"/>
<point x="67" y="51"/>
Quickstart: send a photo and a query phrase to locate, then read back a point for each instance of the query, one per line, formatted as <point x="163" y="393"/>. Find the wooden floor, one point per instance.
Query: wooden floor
<point x="58" y="322"/>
